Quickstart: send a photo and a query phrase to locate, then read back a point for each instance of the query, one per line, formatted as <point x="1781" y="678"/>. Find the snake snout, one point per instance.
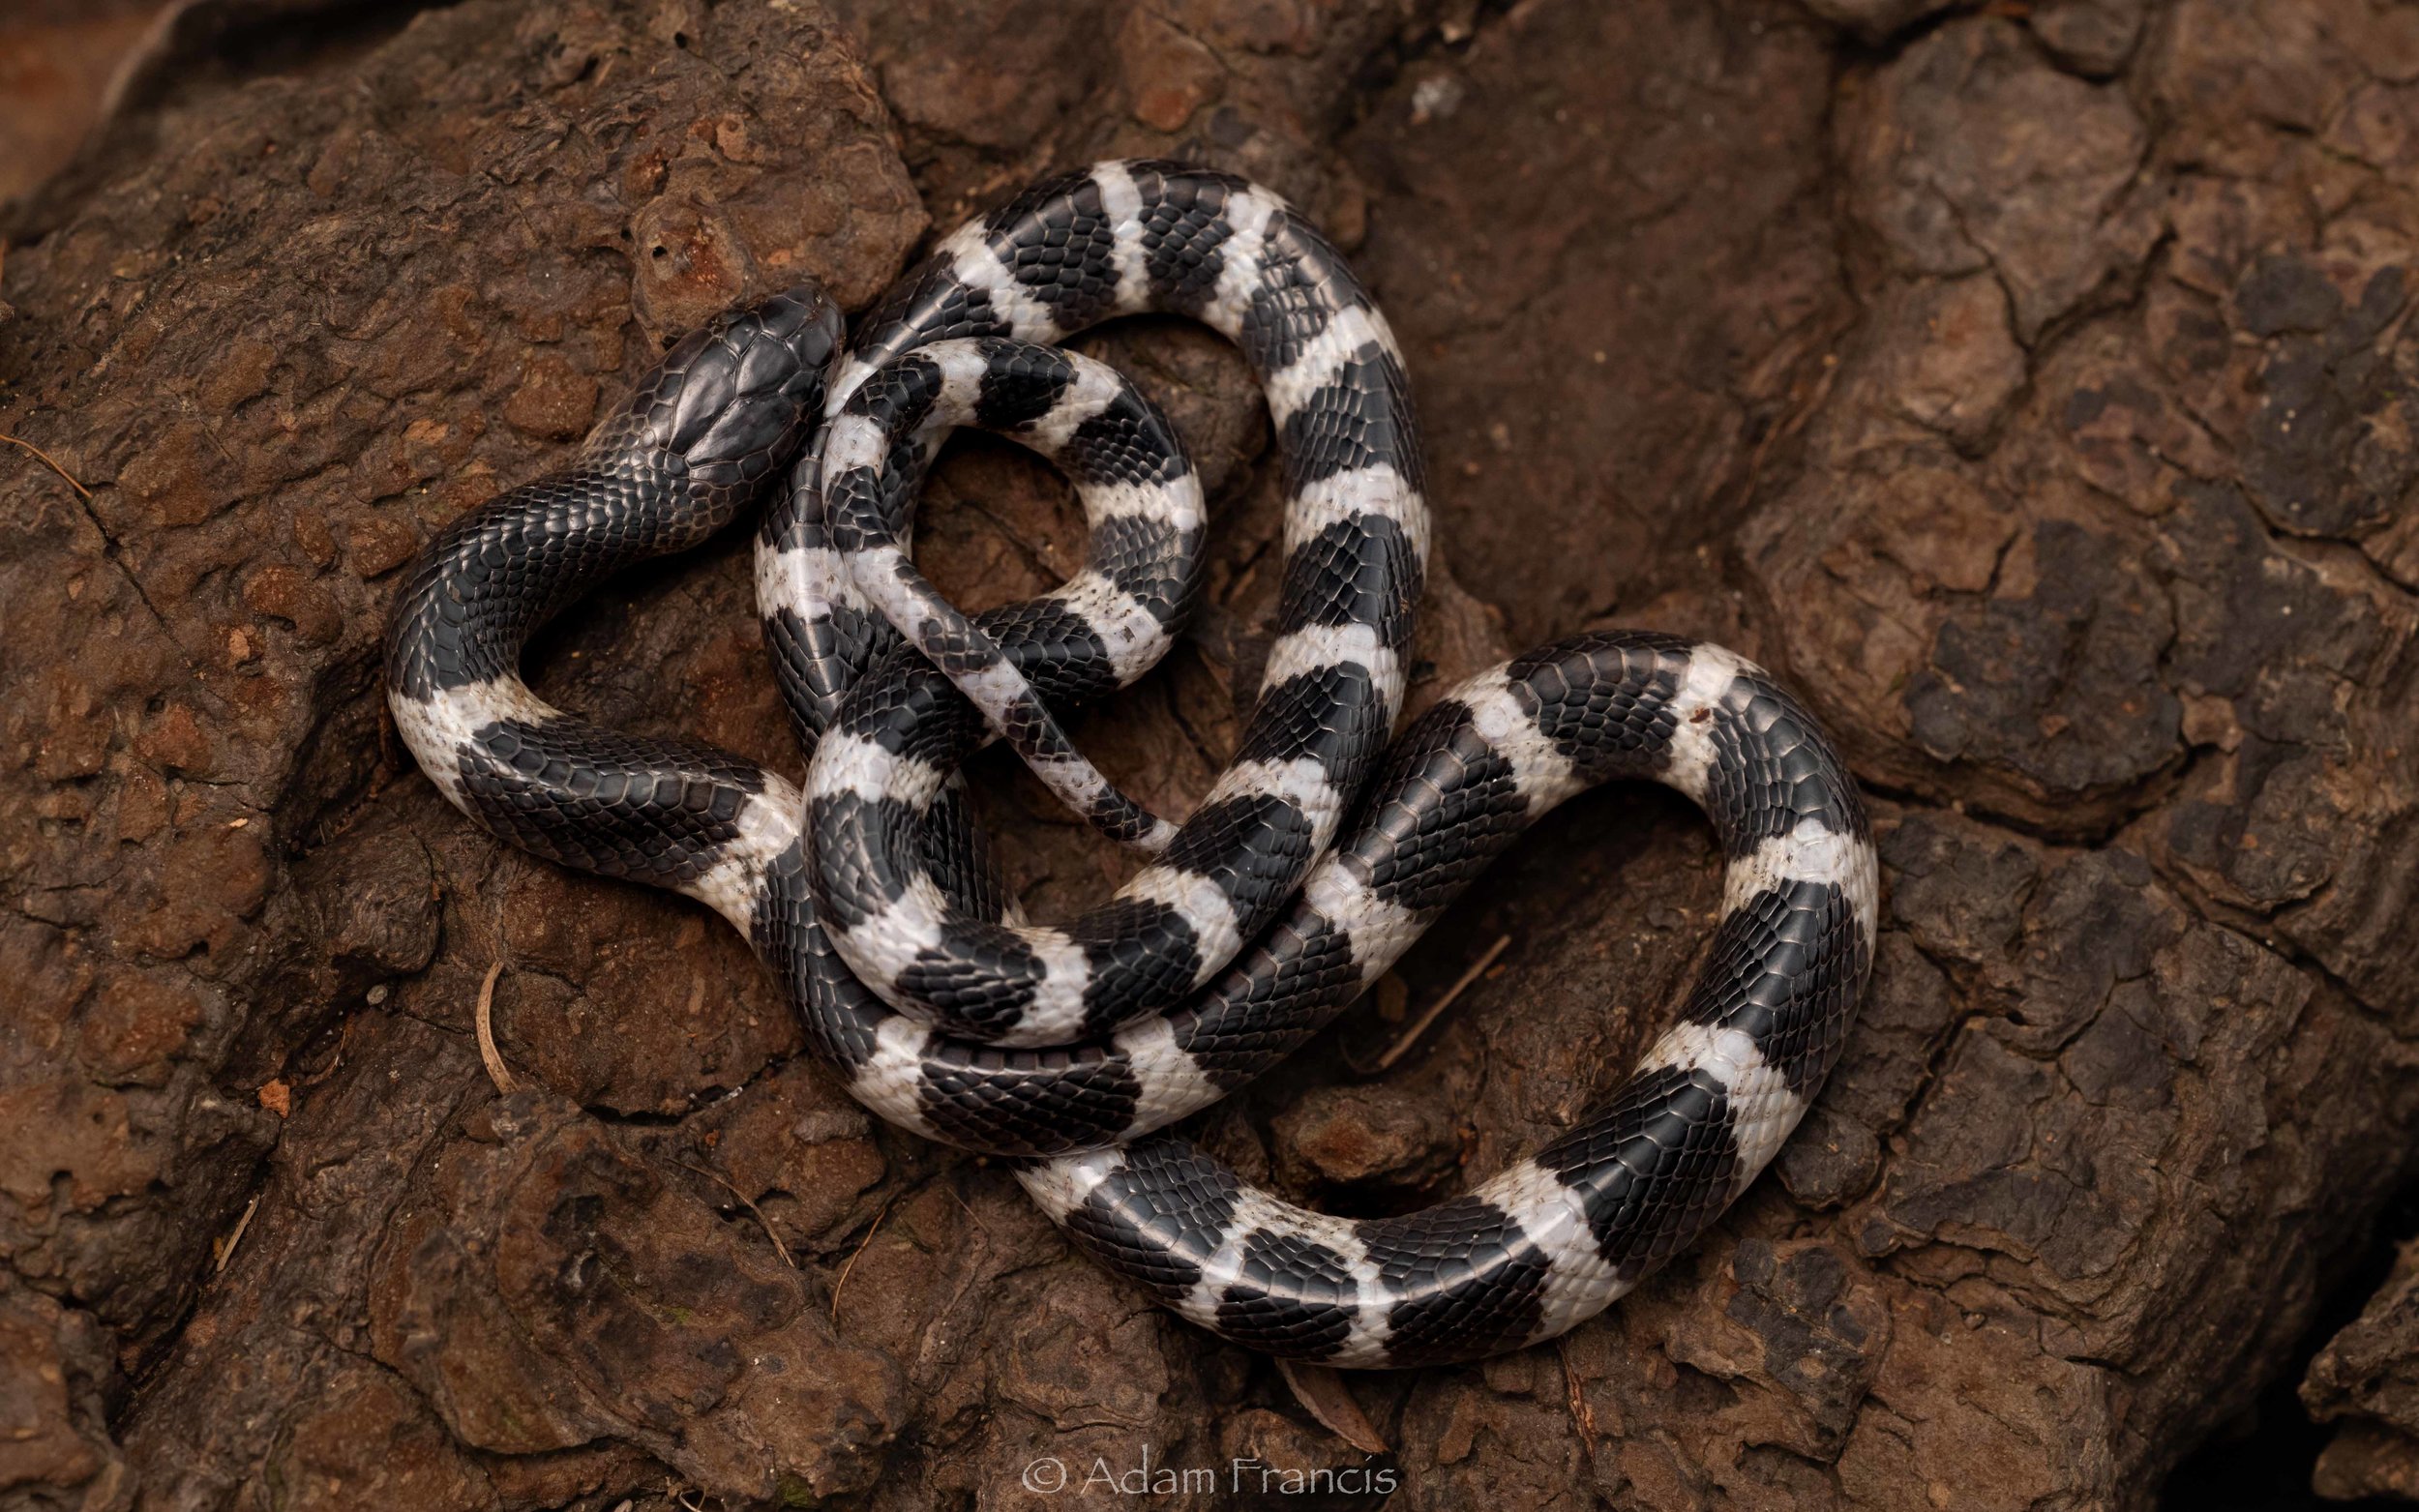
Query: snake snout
<point x="806" y="320"/>
<point x="750" y="383"/>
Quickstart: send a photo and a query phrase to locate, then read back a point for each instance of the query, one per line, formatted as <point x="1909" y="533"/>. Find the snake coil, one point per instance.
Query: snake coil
<point x="1320" y="854"/>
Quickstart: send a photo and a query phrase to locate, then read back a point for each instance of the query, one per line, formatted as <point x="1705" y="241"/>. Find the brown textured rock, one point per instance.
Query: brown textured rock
<point x="1958" y="363"/>
<point x="1659" y="323"/>
<point x="2367" y="1379"/>
<point x="1377" y="1138"/>
<point x="2089" y="36"/>
<point x="1970" y="151"/>
<point x="1875" y="20"/>
<point x="558" y="1327"/>
<point x="2028" y="384"/>
<point x="53" y="1368"/>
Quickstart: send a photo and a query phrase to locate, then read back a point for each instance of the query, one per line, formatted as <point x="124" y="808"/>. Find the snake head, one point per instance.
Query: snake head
<point x="732" y="401"/>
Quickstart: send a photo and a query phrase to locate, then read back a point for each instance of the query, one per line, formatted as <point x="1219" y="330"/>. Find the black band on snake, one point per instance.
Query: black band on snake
<point x="1320" y="854"/>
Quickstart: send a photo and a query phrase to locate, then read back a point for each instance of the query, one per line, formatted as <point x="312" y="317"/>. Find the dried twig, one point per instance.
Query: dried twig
<point x="496" y="1071"/>
<point x="46" y="461"/>
<point x="779" y="1248"/>
<point x="226" y="1247"/>
<point x="838" y="1285"/>
<point x="1581" y="1414"/>
<point x="972" y="1216"/>
<point x="1420" y="1026"/>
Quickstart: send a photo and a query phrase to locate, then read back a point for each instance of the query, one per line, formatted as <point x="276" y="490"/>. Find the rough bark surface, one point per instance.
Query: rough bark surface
<point x="2036" y="387"/>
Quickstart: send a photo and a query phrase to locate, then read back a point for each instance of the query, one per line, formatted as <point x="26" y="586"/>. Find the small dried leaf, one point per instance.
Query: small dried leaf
<point x="1330" y="1399"/>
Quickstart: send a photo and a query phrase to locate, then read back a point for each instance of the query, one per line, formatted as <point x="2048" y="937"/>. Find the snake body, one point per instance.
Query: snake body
<point x="1320" y="853"/>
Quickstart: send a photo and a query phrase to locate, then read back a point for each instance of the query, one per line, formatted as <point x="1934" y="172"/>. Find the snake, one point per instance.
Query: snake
<point x="1322" y="851"/>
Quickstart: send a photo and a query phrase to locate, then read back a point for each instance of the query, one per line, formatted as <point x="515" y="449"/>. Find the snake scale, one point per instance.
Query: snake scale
<point x="1321" y="852"/>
